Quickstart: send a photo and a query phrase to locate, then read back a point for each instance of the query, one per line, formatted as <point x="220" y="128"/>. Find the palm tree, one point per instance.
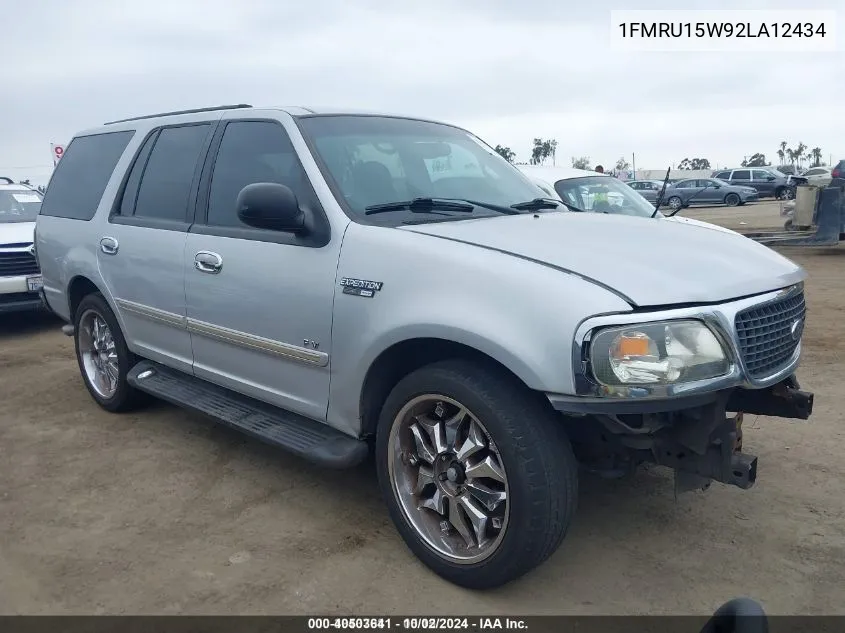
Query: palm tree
<point x="782" y="151"/>
<point x="816" y="153"/>
<point x="799" y="153"/>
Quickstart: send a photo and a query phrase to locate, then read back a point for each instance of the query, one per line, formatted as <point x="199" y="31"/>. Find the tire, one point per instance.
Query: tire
<point x="530" y="445"/>
<point x="675" y="203"/>
<point x="124" y="397"/>
<point x="732" y="200"/>
<point x="784" y="193"/>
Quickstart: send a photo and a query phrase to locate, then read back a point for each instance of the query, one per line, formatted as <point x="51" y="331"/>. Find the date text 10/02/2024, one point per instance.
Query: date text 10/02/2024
<point x="417" y="624"/>
<point x="721" y="29"/>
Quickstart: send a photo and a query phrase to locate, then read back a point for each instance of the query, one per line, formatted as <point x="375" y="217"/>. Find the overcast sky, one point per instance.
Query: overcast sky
<point x="508" y="71"/>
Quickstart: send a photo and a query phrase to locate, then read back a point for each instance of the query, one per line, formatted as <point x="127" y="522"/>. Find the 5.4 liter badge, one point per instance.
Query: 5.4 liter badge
<point x="360" y="287"/>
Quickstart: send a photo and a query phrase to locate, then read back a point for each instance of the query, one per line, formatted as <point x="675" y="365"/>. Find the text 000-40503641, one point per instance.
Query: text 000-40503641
<point x="724" y="31"/>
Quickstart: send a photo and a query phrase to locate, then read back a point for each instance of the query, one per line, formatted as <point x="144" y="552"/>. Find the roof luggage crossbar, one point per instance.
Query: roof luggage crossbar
<point x="7" y="179"/>
<point x="175" y="112"/>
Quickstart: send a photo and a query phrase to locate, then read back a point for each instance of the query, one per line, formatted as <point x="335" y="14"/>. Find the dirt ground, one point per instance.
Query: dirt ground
<point x="161" y="512"/>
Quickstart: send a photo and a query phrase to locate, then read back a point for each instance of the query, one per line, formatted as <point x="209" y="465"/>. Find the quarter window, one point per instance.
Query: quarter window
<point x="81" y="177"/>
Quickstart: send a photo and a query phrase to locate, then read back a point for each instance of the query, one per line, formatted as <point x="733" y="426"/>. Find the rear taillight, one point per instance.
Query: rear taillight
<point x="836" y="173"/>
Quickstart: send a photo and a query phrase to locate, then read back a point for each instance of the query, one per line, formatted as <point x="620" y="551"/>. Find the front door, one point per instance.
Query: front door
<point x="259" y="302"/>
<point x="763" y="181"/>
<point x="142" y="244"/>
<point x="708" y="193"/>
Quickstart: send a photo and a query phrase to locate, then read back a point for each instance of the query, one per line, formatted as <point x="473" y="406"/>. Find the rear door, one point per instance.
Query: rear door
<point x="742" y="177"/>
<point x="763" y="181"/>
<point x="686" y="189"/>
<point x="141" y="250"/>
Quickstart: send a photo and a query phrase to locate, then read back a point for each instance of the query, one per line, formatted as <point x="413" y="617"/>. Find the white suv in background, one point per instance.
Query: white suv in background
<point x="20" y="277"/>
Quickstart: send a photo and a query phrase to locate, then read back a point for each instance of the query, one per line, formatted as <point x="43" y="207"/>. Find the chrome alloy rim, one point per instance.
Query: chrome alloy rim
<point x="448" y="477"/>
<point x="97" y="350"/>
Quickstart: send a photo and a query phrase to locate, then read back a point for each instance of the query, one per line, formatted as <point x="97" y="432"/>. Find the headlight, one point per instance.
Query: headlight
<point x="657" y="353"/>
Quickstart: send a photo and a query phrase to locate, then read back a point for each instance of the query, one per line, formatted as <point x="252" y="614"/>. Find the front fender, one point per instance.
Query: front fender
<point x="518" y="312"/>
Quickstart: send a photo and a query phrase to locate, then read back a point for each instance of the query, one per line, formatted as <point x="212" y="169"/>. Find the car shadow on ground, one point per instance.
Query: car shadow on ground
<point x="27" y="323"/>
<point x="647" y="491"/>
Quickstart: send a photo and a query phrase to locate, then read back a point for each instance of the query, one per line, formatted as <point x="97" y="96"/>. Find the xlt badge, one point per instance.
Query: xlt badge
<point x="360" y="287"/>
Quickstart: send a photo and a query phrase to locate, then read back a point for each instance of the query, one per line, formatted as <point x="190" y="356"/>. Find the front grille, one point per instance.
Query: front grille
<point x="765" y="334"/>
<point x="17" y="263"/>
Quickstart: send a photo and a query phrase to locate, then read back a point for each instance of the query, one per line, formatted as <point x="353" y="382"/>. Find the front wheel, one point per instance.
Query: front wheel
<point x="675" y="203"/>
<point x="732" y="200"/>
<point x="477" y="473"/>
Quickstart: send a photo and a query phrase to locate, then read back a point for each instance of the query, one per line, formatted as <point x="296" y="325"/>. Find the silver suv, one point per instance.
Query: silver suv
<point x="339" y="284"/>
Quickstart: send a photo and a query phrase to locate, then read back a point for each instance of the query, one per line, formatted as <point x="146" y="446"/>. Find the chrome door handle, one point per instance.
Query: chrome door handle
<point x="208" y="262"/>
<point x="108" y="245"/>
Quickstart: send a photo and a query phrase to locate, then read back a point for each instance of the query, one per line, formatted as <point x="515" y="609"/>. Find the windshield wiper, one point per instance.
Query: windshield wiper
<point x="659" y="200"/>
<point x="421" y="205"/>
<point x="426" y="205"/>
<point x="536" y="204"/>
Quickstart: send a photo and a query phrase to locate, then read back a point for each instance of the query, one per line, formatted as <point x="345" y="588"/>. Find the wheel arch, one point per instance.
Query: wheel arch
<point x="406" y="356"/>
<point x="77" y="289"/>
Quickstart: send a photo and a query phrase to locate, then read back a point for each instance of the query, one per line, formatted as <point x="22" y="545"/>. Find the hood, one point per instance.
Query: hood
<point x="16" y="233"/>
<point x="648" y="262"/>
<point x="693" y="222"/>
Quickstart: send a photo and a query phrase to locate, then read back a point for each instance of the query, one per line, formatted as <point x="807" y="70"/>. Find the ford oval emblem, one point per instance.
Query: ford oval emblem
<point x="797" y="329"/>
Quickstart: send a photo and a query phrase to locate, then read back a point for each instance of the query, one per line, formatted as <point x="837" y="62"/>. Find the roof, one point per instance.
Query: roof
<point x="18" y="186"/>
<point x="553" y="174"/>
<point x="148" y="121"/>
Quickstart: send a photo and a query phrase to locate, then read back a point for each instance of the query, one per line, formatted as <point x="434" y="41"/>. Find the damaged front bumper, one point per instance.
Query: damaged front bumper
<point x="700" y="437"/>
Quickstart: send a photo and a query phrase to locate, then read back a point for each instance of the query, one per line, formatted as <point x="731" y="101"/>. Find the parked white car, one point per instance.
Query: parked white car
<point x="820" y="176"/>
<point x="577" y="189"/>
<point x="20" y="277"/>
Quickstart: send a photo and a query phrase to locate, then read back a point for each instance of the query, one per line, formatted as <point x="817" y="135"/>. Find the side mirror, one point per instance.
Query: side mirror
<point x="266" y="205"/>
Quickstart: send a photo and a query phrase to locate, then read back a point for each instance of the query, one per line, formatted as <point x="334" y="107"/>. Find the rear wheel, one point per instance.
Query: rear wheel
<point x="675" y="203"/>
<point x="478" y="475"/>
<point x="732" y="200"/>
<point x="103" y="357"/>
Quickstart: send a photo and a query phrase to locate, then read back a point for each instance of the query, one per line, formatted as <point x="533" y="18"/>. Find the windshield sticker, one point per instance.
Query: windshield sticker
<point x="26" y="197"/>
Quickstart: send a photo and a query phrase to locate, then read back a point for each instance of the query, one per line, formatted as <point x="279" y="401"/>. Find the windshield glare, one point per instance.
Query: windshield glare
<point x="372" y="160"/>
<point x="19" y="205"/>
<point x="603" y="194"/>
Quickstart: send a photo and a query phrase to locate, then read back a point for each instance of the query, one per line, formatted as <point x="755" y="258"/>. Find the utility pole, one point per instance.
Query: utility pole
<point x="634" y="164"/>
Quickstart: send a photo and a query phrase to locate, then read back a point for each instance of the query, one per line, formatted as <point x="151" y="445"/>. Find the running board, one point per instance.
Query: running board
<point x="311" y="440"/>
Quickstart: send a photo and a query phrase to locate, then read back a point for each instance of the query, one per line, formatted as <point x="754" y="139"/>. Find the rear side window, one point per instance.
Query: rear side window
<point x="169" y="173"/>
<point x="723" y="175"/>
<point x="81" y="176"/>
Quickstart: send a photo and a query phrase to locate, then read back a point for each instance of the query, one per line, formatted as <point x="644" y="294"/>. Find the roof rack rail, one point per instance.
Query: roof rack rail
<point x="7" y="179"/>
<point x="175" y="112"/>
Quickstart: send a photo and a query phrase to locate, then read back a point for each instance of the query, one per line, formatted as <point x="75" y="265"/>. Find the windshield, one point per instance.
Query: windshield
<point x="19" y="205"/>
<point x="603" y="194"/>
<point x="374" y="160"/>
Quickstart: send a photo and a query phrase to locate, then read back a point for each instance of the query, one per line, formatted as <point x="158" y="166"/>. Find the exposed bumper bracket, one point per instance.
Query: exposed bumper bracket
<point x="783" y="400"/>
